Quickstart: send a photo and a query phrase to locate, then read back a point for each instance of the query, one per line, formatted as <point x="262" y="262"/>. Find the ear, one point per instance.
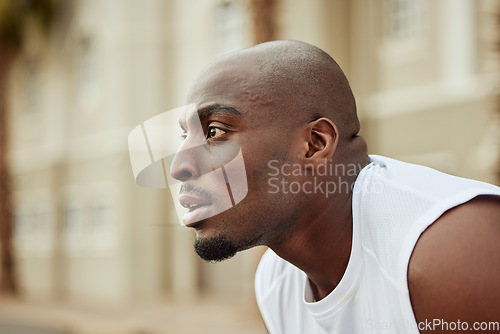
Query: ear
<point x="323" y="138"/>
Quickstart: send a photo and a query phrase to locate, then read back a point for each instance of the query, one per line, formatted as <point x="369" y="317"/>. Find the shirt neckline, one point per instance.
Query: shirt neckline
<point x="346" y="288"/>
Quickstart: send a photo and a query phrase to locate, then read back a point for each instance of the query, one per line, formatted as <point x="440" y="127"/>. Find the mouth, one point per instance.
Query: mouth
<point x="198" y="208"/>
<point x="193" y="207"/>
<point x="193" y="202"/>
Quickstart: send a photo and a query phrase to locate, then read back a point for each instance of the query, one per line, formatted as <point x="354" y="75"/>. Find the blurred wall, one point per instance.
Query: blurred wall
<point x="422" y="72"/>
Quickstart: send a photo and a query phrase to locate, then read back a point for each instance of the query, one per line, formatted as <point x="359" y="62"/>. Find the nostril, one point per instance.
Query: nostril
<point x="183" y="175"/>
<point x="182" y="169"/>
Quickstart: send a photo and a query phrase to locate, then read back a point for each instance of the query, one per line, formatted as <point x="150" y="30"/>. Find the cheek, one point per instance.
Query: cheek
<point x="235" y="173"/>
<point x="263" y="178"/>
<point x="261" y="153"/>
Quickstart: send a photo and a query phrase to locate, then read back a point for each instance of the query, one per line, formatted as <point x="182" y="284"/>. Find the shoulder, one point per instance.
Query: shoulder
<point x="454" y="270"/>
<point x="426" y="181"/>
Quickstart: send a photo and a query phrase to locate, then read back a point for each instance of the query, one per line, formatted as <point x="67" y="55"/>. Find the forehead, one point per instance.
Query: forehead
<point x="230" y="82"/>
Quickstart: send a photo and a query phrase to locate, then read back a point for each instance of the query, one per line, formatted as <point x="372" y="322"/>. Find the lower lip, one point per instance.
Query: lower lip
<point x="191" y="218"/>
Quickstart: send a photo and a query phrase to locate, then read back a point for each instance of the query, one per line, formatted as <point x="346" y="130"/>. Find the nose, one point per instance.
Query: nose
<point x="184" y="165"/>
<point x="191" y="163"/>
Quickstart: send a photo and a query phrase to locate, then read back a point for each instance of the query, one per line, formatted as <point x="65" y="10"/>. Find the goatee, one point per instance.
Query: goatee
<point x="215" y="249"/>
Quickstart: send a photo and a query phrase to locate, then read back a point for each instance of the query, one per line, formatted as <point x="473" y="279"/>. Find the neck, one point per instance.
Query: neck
<point x="320" y="244"/>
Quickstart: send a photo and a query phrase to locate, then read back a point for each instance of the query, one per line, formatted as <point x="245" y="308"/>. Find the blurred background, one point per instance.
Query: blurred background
<point x="85" y="250"/>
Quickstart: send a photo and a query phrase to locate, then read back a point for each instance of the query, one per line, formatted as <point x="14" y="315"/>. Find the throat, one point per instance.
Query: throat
<point x="321" y="247"/>
<point x="318" y="292"/>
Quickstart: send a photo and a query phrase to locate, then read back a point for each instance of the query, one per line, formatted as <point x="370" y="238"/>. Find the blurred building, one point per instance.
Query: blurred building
<point x="423" y="73"/>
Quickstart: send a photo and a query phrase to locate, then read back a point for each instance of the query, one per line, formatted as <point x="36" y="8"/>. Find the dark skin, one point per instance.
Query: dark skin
<point x="455" y="267"/>
<point x="283" y="92"/>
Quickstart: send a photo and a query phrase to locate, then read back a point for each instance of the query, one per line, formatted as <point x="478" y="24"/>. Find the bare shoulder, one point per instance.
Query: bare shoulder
<point x="454" y="271"/>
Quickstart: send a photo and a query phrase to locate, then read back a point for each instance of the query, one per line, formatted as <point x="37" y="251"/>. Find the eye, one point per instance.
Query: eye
<point x="214" y="132"/>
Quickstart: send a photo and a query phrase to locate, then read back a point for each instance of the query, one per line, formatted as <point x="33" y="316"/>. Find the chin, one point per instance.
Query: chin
<point x="215" y="249"/>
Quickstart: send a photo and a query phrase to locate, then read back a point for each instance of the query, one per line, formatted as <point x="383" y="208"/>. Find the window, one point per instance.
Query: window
<point x="22" y="224"/>
<point x="103" y="233"/>
<point x="73" y="221"/>
<point x="74" y="225"/>
<point x="404" y="18"/>
<point x="87" y="73"/>
<point x="407" y="37"/>
<point x="231" y="25"/>
<point x="32" y="86"/>
<point x="23" y="230"/>
<point x="44" y="220"/>
<point x="34" y="229"/>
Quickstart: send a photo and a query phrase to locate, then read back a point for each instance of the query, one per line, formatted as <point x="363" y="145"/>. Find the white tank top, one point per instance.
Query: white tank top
<point x="393" y="203"/>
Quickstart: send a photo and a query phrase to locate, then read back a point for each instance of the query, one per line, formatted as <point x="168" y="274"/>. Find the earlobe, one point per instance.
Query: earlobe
<point x="322" y="140"/>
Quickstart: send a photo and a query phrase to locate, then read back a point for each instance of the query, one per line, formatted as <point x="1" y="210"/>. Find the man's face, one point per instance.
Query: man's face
<point x="233" y="116"/>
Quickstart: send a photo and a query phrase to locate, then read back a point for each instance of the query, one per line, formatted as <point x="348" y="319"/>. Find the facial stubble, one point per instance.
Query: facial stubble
<point x="215" y="249"/>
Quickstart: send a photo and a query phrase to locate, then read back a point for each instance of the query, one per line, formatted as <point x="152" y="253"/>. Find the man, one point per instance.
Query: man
<point x="358" y="244"/>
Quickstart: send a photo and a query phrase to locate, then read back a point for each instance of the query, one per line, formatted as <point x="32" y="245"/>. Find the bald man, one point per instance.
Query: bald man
<point x="357" y="243"/>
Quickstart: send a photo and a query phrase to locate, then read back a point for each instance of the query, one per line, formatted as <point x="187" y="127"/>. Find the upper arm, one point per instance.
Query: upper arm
<point x="454" y="271"/>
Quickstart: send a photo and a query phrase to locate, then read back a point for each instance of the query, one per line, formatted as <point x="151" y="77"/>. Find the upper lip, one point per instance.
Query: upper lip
<point x="193" y="201"/>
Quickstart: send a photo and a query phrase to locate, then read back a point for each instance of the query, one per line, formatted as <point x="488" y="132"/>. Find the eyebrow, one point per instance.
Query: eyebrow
<point x="217" y="109"/>
<point x="214" y="110"/>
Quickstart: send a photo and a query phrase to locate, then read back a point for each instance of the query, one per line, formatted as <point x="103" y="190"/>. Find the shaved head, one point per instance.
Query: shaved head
<point x="301" y="82"/>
